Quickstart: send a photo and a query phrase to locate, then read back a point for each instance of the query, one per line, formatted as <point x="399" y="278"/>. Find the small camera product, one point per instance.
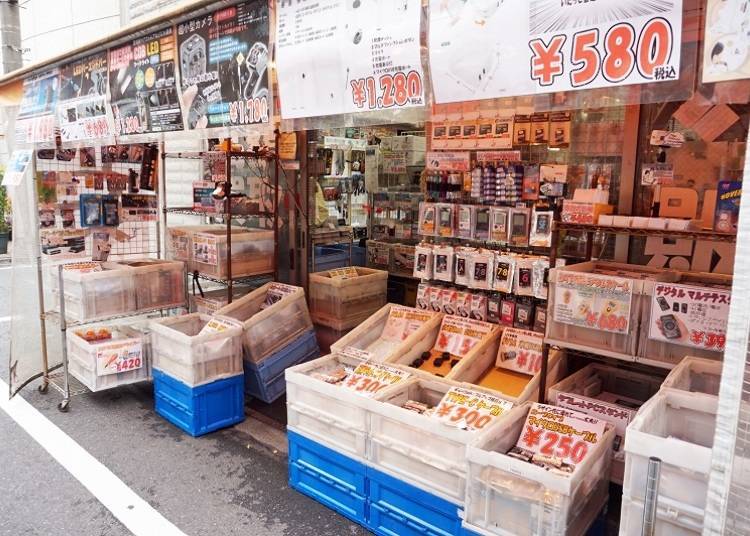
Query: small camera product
<point x="670" y="327"/>
<point x="663" y="304"/>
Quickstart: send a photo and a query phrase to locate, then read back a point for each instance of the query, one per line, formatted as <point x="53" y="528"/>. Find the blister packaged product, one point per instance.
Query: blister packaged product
<point x="463" y="304"/>
<point x="518" y="233"/>
<point x="541" y="228"/>
<point x="481" y="269"/>
<point x="499" y="224"/>
<point x="462" y="256"/>
<point x="423" y="296"/>
<point x="482" y="223"/>
<point x="427" y="219"/>
<point x="505" y="269"/>
<point x="524" y="317"/>
<point x="435" y="298"/>
<point x="449" y="299"/>
<point x="466" y="221"/>
<point x="443" y="263"/>
<point x="540" y="318"/>
<point x="524" y="277"/>
<point x="540" y="278"/>
<point x="423" y="261"/>
<point x="507" y="310"/>
<point x="445" y="220"/>
<point x="479" y="306"/>
<point x="493" y="308"/>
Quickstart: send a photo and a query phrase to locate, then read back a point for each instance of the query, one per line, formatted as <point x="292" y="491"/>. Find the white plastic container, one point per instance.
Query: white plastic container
<point x="368" y="336"/>
<point x="678" y="428"/>
<point x="328" y="413"/>
<point x="268" y="328"/>
<point x="417" y="448"/>
<point x="345" y="303"/>
<point x="671" y="519"/>
<point x="252" y="252"/>
<point x="96" y="295"/>
<point x="509" y="497"/>
<point x="695" y="375"/>
<point x="94" y="364"/>
<point x="158" y="284"/>
<point x="180" y="242"/>
<point x="194" y="359"/>
<point x="213" y="300"/>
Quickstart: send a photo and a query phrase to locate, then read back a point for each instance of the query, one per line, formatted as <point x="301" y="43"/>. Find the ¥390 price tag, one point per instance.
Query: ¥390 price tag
<point x="471" y="410"/>
<point x="370" y="378"/>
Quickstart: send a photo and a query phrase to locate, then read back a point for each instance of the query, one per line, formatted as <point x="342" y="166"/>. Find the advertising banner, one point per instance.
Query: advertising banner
<point x="593" y="301"/>
<point x="223" y="67"/>
<point x="726" y="46"/>
<point x="481" y="50"/>
<point x="36" y="116"/>
<point x="338" y="57"/>
<point x="143" y="85"/>
<point x="82" y="107"/>
<point x="690" y="316"/>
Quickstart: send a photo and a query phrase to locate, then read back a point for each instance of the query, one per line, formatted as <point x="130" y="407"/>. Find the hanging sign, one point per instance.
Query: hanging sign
<point x="448" y="161"/>
<point x="36" y="116"/>
<point x="690" y="316"/>
<point x="82" y="108"/>
<point x="593" y="301"/>
<point x="726" y="49"/>
<point x="481" y="50"/>
<point x="223" y="67"/>
<point x="338" y="57"/>
<point x="369" y="378"/>
<point x="16" y="168"/>
<point x="469" y="409"/>
<point x="143" y="85"/>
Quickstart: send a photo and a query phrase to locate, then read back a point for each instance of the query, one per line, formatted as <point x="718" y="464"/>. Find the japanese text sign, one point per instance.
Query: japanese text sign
<point x="593" y="301"/>
<point x="458" y="336"/>
<point x="520" y="350"/>
<point x="369" y="378"/>
<point x="120" y="356"/>
<point x="469" y="409"/>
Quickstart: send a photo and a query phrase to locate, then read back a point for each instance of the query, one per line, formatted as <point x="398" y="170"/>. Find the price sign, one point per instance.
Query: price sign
<point x="347" y="272"/>
<point x="387" y="91"/>
<point x="593" y="301"/>
<point x="458" y="336"/>
<point x="216" y="325"/>
<point x="520" y="350"/>
<point x="560" y="433"/>
<point x="403" y="321"/>
<point x="118" y="357"/>
<point x="470" y="410"/>
<point x="370" y="378"/>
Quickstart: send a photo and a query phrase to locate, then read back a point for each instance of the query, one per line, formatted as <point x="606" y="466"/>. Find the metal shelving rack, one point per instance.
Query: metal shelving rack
<point x="591" y="230"/>
<point x="228" y="216"/>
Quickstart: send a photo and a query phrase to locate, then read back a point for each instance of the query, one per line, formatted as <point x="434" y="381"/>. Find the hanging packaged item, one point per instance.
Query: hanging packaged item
<point x="435" y="298"/>
<point x="499" y="224"/>
<point x="423" y="259"/>
<point x="423" y="298"/>
<point x="91" y="210"/>
<point x="524" y="276"/>
<point x="530" y="191"/>
<point x="463" y="304"/>
<point x="462" y="256"/>
<point x="524" y="318"/>
<point x="443" y="263"/>
<point x="481" y="269"/>
<point x="507" y="310"/>
<point x="559" y="129"/>
<point x="540" y="319"/>
<point x="540" y="128"/>
<point x="476" y="183"/>
<point x="540" y="278"/>
<point x="482" y="223"/>
<point x="489" y="174"/>
<point x="493" y="308"/>
<point x="427" y="219"/>
<point x="449" y="301"/>
<point x="466" y="221"/>
<point x="479" y="306"/>
<point x="445" y="220"/>
<point x="505" y="267"/>
<point x="521" y="130"/>
<point x="519" y="226"/>
<point x="541" y="228"/>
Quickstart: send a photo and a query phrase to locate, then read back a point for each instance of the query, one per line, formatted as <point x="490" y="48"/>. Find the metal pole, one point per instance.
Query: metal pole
<point x="10" y="36"/>
<point x="162" y="229"/>
<point x="228" y="218"/>
<point x="650" y="501"/>
<point x="63" y="406"/>
<point x="276" y="207"/>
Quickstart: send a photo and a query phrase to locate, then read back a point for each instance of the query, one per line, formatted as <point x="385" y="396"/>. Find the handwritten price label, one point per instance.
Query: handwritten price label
<point x="122" y="356"/>
<point x="520" y="350"/>
<point x="387" y="91"/>
<point x="370" y="378"/>
<point x="470" y="410"/>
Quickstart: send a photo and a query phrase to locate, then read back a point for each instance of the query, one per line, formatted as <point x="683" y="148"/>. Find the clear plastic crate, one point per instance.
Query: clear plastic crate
<point x="158" y="284"/>
<point x="95" y="364"/>
<point x="252" y="252"/>
<point x="213" y="300"/>
<point x="510" y="497"/>
<point x="678" y="428"/>
<point x="345" y="303"/>
<point x="182" y="353"/>
<point x="417" y="448"/>
<point x="180" y="242"/>
<point x="269" y="328"/>
<point x="695" y="375"/>
<point x="596" y="382"/>
<point x="369" y="336"/>
<point x="672" y="519"/>
<point x="328" y="413"/>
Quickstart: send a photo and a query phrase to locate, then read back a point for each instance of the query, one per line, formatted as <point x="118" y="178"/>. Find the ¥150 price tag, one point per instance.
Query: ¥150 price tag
<point x="470" y="410"/>
<point x="370" y="378"/>
<point x="388" y="90"/>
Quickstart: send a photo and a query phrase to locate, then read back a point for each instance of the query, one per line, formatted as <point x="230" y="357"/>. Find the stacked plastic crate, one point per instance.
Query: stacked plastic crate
<point x="197" y="372"/>
<point x="277" y="333"/>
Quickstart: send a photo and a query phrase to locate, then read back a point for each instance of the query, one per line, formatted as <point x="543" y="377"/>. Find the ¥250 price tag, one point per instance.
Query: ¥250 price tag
<point x="470" y="410"/>
<point x="370" y="378"/>
<point x="387" y="90"/>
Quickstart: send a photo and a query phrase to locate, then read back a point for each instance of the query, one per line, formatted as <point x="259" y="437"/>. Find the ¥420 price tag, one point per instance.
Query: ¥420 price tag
<point x="471" y="410"/>
<point x="370" y="378"/>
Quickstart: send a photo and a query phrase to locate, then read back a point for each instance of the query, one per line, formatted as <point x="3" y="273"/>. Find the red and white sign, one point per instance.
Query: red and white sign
<point x="593" y="301"/>
<point x="520" y="350"/>
<point x="448" y="161"/>
<point x="369" y="378"/>
<point x="560" y="433"/>
<point x="121" y="356"/>
<point x="458" y="336"/>
<point x="403" y="321"/>
<point x="498" y="156"/>
<point x="470" y="410"/>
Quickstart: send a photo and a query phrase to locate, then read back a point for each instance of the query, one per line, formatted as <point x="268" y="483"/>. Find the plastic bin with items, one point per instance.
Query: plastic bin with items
<point x="158" y="284"/>
<point x="252" y="252"/>
<point x="344" y="298"/>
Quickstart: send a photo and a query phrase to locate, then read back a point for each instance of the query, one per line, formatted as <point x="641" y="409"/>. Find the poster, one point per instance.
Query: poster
<point x="143" y="85"/>
<point x="223" y="67"/>
<point x="16" y="168"/>
<point x="726" y="45"/>
<point x="337" y="57"/>
<point x="82" y="107"/>
<point x="593" y="301"/>
<point x="470" y="410"/>
<point x="689" y="316"/>
<point x="521" y="351"/>
<point x="36" y="116"/>
<point x="652" y="174"/>
<point x="476" y="53"/>
<point x="205" y="250"/>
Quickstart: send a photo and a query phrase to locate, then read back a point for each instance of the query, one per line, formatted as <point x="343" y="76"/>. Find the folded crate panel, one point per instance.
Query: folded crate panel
<point x="343" y="303"/>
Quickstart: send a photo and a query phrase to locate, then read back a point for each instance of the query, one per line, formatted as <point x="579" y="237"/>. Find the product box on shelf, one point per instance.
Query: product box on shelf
<point x="197" y="349"/>
<point x="393" y="330"/>
<point x="180" y="242"/>
<point x="252" y="252"/>
<point x="609" y="393"/>
<point x="378" y="254"/>
<point x="344" y="302"/>
<point x="158" y="284"/>
<point x="103" y="358"/>
<point x="695" y="375"/>
<point x="272" y="315"/>
<point x="512" y="497"/>
<point x="213" y="300"/>
<point x="678" y="428"/>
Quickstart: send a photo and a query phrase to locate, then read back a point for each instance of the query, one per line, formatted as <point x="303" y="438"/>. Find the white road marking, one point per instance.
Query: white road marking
<point x="136" y="514"/>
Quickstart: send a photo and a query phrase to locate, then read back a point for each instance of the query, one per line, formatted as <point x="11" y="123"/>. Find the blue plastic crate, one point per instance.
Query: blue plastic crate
<point x="359" y="253"/>
<point x="265" y="380"/>
<point x="199" y="410"/>
<point x="400" y="509"/>
<point x="330" y="478"/>
<point x="330" y="258"/>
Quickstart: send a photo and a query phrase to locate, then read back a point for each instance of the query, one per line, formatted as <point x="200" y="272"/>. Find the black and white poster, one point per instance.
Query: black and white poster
<point x="82" y="108"/>
<point x="223" y="67"/>
<point x="143" y="85"/>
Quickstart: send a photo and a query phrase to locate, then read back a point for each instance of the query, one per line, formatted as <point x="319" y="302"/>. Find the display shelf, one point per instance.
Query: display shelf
<point x="669" y="233"/>
<point x="253" y="279"/>
<point x="197" y="155"/>
<point x="585" y="351"/>
<point x="188" y="211"/>
<point x="56" y="317"/>
<point x="486" y="244"/>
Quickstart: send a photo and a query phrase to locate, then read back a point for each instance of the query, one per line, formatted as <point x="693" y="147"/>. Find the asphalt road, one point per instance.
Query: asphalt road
<point x="222" y="484"/>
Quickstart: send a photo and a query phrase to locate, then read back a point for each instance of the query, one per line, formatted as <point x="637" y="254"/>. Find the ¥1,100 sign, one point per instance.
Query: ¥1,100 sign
<point x="507" y="48"/>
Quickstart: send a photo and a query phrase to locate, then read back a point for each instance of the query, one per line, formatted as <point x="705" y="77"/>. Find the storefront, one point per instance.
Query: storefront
<point x="509" y="228"/>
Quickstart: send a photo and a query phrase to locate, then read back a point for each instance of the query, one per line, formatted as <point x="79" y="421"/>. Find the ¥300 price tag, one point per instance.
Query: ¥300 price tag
<point x="370" y="378"/>
<point x="471" y="410"/>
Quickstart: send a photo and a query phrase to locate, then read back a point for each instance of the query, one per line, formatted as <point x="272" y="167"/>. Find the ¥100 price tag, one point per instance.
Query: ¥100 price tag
<point x="387" y="91"/>
<point x="370" y="378"/>
<point x="470" y="410"/>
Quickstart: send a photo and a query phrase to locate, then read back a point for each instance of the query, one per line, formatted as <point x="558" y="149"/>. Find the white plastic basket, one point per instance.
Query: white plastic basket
<point x="345" y="303"/>
<point x="158" y="283"/>
<point x="194" y="359"/>
<point x="368" y="336"/>
<point x="672" y="519"/>
<point x="509" y="497"/>
<point x="95" y="295"/>
<point x="695" y="375"/>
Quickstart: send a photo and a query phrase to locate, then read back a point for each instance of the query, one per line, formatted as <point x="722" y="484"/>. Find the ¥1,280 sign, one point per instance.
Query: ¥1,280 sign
<point x="387" y="91"/>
